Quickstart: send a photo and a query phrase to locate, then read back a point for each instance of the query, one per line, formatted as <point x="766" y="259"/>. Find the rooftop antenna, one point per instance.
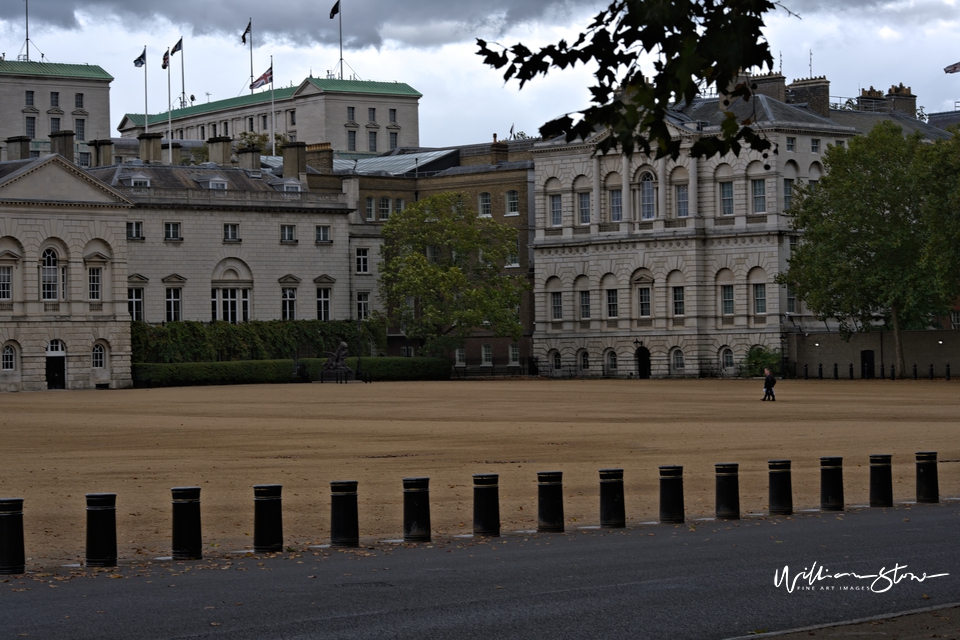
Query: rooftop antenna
<point x="781" y="63"/>
<point x="811" y="63"/>
<point x="208" y="96"/>
<point x="28" y="29"/>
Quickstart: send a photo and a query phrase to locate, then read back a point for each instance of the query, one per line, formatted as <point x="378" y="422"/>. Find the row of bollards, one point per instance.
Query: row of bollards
<point x="863" y="373"/>
<point x="187" y="543"/>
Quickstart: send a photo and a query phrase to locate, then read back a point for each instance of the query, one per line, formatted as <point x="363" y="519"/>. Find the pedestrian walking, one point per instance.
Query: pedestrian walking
<point x="768" y="382"/>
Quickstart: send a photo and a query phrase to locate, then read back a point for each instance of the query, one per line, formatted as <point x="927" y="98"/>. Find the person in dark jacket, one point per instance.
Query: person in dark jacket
<point x="768" y="382"/>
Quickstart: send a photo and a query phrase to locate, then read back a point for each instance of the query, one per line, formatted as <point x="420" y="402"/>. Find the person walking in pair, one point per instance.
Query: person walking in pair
<point x="768" y="382"/>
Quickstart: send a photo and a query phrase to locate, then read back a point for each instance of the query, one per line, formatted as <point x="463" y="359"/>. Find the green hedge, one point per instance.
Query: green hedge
<point x="186" y="374"/>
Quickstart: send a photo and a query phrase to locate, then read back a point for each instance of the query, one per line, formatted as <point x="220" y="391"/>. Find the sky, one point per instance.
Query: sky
<point x="431" y="45"/>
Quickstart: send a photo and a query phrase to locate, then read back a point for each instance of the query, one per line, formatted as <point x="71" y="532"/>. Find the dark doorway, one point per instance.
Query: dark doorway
<point x="866" y="365"/>
<point x="643" y="363"/>
<point x="56" y="372"/>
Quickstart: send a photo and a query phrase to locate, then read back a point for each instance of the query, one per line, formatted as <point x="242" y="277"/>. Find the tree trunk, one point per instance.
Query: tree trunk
<point x="897" y="344"/>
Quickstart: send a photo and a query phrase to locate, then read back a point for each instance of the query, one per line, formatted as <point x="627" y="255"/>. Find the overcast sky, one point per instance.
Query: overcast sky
<point x="430" y="45"/>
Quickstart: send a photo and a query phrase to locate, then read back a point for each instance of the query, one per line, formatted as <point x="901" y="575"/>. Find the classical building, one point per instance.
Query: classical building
<point x="659" y="267"/>
<point x="359" y="118"/>
<point x="40" y="98"/>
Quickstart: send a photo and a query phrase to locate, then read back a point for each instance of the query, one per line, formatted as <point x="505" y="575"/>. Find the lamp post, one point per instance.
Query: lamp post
<point x="637" y="343"/>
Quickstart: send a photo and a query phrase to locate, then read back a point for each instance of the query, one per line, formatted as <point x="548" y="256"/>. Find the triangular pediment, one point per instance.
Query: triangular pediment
<point x="324" y="279"/>
<point x="55" y="111"/>
<point x="31" y="110"/>
<point x="96" y="256"/>
<point x="6" y="256"/>
<point x="80" y="112"/>
<point x="136" y="278"/>
<point x="174" y="278"/>
<point x="643" y="280"/>
<point x="289" y="279"/>
<point x="307" y="88"/>
<point x="55" y="180"/>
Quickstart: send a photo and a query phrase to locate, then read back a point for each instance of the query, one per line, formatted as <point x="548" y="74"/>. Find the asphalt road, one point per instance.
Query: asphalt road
<point x="700" y="580"/>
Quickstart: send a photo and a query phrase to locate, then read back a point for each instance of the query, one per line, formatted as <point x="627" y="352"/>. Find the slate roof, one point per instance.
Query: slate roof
<point x="53" y="70"/>
<point x="864" y="121"/>
<point x="180" y="177"/>
<point x="396" y="164"/>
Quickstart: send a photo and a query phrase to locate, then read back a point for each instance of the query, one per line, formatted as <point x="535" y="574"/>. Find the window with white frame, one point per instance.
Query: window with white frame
<point x="230" y="305"/>
<point x="351" y="140"/>
<point x="83" y="158"/>
<point x="140" y="182"/>
<point x="363" y="264"/>
<point x="648" y="197"/>
<point x="433" y="254"/>
<point x="288" y="233"/>
<point x="322" y="233"/>
<point x="814" y="145"/>
<point x="6" y="283"/>
<point x="726" y="299"/>
<point x="486" y="355"/>
<point x="171" y="231"/>
<point x="231" y="232"/>
<point x="556" y="305"/>
<point x="513" y="202"/>
<point x="513" y="253"/>
<point x="791" y="143"/>
<point x="583" y="207"/>
<point x="399" y="205"/>
<point x="393" y="115"/>
<point x="54" y="125"/>
<point x="351" y="114"/>
<point x="556" y="211"/>
<point x="291" y="188"/>
<point x="955" y="319"/>
<point x="678" y="301"/>
<point x="461" y="357"/>
<point x="611" y="361"/>
<point x="371" y="114"/>
<point x="371" y="141"/>
<point x="9" y="358"/>
<point x="682" y="204"/>
<point x="383" y="208"/>
<point x="394" y="143"/>
<point x="28" y="98"/>
<point x="323" y="303"/>
<point x="678" y="360"/>
<point x="31" y="128"/>
<point x="760" y="299"/>
<point x="363" y="305"/>
<point x="135" y="303"/>
<point x="727" y="359"/>
<point x="50" y="275"/>
<point x="174" y="300"/>
<point x="613" y="303"/>
<point x="787" y="192"/>
<point x="80" y="129"/>
<point x="584" y="305"/>
<point x="792" y="300"/>
<point x="726" y="198"/>
<point x="485" y="205"/>
<point x="97" y="356"/>
<point x="584" y="361"/>
<point x="288" y="303"/>
<point x="643" y="302"/>
<point x="78" y="101"/>
<point x="759" y="195"/>
<point x="94" y="283"/>
<point x="370" y="203"/>
<point x="514" y="353"/>
<point x="135" y="230"/>
<point x="616" y="205"/>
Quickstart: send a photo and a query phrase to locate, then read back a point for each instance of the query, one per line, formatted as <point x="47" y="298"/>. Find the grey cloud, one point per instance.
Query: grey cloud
<point x="916" y="12"/>
<point x="419" y="23"/>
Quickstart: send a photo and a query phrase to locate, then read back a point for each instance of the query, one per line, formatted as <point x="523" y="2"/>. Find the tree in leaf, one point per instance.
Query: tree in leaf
<point x="441" y="274"/>
<point x="695" y="44"/>
<point x="867" y="231"/>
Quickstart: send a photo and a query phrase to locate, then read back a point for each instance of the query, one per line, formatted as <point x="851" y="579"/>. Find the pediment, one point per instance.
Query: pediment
<point x="173" y="278"/>
<point x="289" y="279"/>
<point x="55" y="111"/>
<point x="31" y="110"/>
<point x="642" y="280"/>
<point x="96" y="256"/>
<point x="307" y="88"/>
<point x="80" y="112"/>
<point x="9" y="256"/>
<point x="53" y="179"/>
<point x="393" y="125"/>
<point x="136" y="278"/>
<point x="324" y="279"/>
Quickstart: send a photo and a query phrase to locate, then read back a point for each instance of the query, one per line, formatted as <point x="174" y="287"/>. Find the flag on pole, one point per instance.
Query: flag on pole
<point x="954" y="68"/>
<point x="166" y="59"/>
<point x="335" y="10"/>
<point x="142" y="60"/>
<point x="265" y="79"/>
<point x="177" y="47"/>
<point x="246" y="32"/>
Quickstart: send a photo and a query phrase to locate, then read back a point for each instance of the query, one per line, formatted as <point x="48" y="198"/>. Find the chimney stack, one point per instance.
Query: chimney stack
<point x="320" y="157"/>
<point x="772" y="84"/>
<point x="499" y="151"/>
<point x="61" y="143"/>
<point x="249" y="158"/>
<point x="176" y="152"/>
<point x="18" y="148"/>
<point x="101" y="152"/>
<point x="813" y="91"/>
<point x="150" y="148"/>
<point x="295" y="161"/>
<point x="903" y="100"/>
<point x="220" y="150"/>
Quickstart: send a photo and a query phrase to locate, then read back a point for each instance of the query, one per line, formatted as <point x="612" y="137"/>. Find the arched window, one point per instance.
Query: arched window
<point x="556" y="360"/>
<point x="56" y="347"/>
<point x="584" y="361"/>
<point x="648" y="197"/>
<point x="49" y="276"/>
<point x="97" y="356"/>
<point x="727" y="358"/>
<point x="678" y="360"/>
<point x="9" y="359"/>
<point x="612" y="362"/>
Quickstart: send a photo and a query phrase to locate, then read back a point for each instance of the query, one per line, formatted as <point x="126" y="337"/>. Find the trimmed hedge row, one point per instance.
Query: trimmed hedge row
<point x="187" y="374"/>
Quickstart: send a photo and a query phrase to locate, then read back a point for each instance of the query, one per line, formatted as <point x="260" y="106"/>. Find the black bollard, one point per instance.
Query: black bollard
<point x="881" y="480"/>
<point x="671" y="494"/>
<point x="550" y="501"/>
<point x="851" y="371"/>
<point x="486" y="504"/>
<point x="267" y="518"/>
<point x="931" y="371"/>
<point x="831" y="483"/>
<point x="416" y="509"/>
<point x="928" y="487"/>
<point x="612" y="510"/>
<point x="344" y="518"/>
<point x="836" y="371"/>
<point x="728" y="490"/>
<point x="805" y="377"/>
<point x="101" y="529"/>
<point x="915" y="371"/>
<point x="12" y="557"/>
<point x="883" y="374"/>
<point x="820" y="371"/>
<point x="893" y="372"/>
<point x="948" y="372"/>
<point x="781" y="488"/>
<point x="187" y="539"/>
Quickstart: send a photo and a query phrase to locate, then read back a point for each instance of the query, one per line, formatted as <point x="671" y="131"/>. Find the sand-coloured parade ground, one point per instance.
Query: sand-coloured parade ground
<point x="56" y="446"/>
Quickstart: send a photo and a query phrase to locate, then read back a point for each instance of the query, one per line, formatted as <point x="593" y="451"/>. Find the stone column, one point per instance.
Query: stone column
<point x="662" y="191"/>
<point x="595" y="215"/>
<point x="625" y="195"/>
<point x="693" y="201"/>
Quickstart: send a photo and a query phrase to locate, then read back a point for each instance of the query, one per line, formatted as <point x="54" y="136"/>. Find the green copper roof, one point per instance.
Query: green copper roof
<point x="53" y="70"/>
<point x="324" y="84"/>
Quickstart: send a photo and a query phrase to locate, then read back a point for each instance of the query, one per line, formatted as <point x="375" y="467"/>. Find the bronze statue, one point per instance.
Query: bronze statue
<point x="336" y="359"/>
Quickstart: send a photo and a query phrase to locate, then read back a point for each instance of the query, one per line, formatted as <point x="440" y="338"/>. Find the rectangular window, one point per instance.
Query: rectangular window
<point x="613" y="306"/>
<point x="678" y="306"/>
<point x="791" y="144"/>
<point x="393" y="115"/>
<point x="6" y="283"/>
<point x="514" y="353"/>
<point x="583" y="207"/>
<point x="288" y="303"/>
<point x="94" y="276"/>
<point x="726" y="298"/>
<point x="363" y="305"/>
<point x="841" y="143"/>
<point x="584" y="305"/>
<point x="433" y="254"/>
<point x="135" y="230"/>
<point x="759" y="195"/>
<point x="135" y="303"/>
<point x="213" y="129"/>
<point x="203" y="131"/>
<point x="226" y="128"/>
<point x="174" y="310"/>
<point x="323" y="303"/>
<point x="362" y="261"/>
<point x="616" y="205"/>
<point x="399" y="205"/>
<point x="80" y="129"/>
<point x="171" y="231"/>
<point x="140" y="182"/>
<point x="322" y="233"/>
<point x="394" y="139"/>
<point x="83" y="158"/>
<point x="556" y="212"/>
<point x="231" y="233"/>
<point x="792" y="301"/>
<point x="293" y="117"/>
<point x="372" y="141"/>
<point x="760" y="299"/>
<point x="648" y="197"/>
<point x="369" y="208"/>
<point x="513" y="202"/>
<point x="233" y="307"/>
<point x="78" y="101"/>
<point x="787" y="192"/>
<point x="264" y="126"/>
<point x="814" y="145"/>
<point x="8" y="358"/>
<point x="643" y="298"/>
<point x="486" y="207"/>
<point x="683" y="205"/>
<point x="955" y="319"/>
<point x="556" y="304"/>
<point x="726" y="198"/>
<point x="461" y="355"/>
<point x="486" y="354"/>
<point x="54" y="125"/>
<point x="31" y="127"/>
<point x="54" y="98"/>
<point x="288" y="233"/>
<point x="351" y="140"/>
<point x="383" y="208"/>
<point x="513" y="255"/>
<point x="371" y="114"/>
<point x="28" y="98"/>
<point x="351" y="114"/>
<point x="794" y="241"/>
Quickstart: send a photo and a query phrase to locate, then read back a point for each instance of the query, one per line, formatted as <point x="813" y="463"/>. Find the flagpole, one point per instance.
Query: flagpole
<point x="146" y="114"/>
<point x="183" y="79"/>
<point x="169" y="115"/>
<point x="273" y="111"/>
<point x="251" y="56"/>
<point x="341" y="39"/>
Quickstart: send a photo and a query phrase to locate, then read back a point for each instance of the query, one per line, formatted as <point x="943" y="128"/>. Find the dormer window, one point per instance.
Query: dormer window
<point x="217" y="184"/>
<point x="295" y="188"/>
<point x="140" y="182"/>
